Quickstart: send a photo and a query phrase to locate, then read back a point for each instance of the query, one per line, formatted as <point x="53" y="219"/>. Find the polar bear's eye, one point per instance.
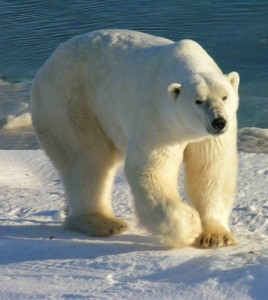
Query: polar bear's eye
<point x="198" y="102"/>
<point x="224" y="98"/>
<point x="176" y="91"/>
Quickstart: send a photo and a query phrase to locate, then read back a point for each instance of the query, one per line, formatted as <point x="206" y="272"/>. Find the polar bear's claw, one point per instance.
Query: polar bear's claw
<point x="212" y="239"/>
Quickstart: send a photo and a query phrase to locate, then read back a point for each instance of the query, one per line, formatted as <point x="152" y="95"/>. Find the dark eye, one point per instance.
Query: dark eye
<point x="198" y="102"/>
<point x="176" y="91"/>
<point x="224" y="98"/>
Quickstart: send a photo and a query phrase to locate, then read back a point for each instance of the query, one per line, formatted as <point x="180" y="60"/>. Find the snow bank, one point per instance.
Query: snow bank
<point x="15" y="105"/>
<point x="11" y="121"/>
<point x="39" y="259"/>
<point x="253" y="140"/>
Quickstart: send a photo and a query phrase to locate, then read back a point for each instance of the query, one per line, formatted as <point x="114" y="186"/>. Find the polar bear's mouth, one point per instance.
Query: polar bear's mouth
<point x="216" y="132"/>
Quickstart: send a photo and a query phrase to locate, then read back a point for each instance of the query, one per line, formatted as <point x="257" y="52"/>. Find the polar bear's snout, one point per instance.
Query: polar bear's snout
<point x="219" y="123"/>
<point x="217" y="118"/>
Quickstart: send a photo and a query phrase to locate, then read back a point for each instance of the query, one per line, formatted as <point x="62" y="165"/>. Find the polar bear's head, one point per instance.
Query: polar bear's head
<point x="205" y="103"/>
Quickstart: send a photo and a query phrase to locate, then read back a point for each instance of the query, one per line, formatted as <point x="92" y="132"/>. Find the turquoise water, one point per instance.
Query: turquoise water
<point x="235" y="33"/>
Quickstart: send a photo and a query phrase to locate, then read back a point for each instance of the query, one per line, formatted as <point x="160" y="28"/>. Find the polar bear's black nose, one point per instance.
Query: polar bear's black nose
<point x="218" y="123"/>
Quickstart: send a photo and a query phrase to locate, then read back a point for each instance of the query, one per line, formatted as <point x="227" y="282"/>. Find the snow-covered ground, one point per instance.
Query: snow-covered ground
<point x="39" y="259"/>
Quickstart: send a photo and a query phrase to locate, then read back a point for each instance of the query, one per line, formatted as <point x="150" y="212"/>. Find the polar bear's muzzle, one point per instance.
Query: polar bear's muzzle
<point x="218" y="122"/>
<point x="218" y="125"/>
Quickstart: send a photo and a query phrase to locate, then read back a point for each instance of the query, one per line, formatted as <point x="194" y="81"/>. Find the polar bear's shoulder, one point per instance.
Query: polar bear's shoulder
<point x="189" y="47"/>
<point x="194" y="57"/>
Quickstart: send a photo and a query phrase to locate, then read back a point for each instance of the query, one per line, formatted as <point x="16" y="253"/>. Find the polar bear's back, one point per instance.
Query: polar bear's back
<point x="119" y="39"/>
<point x="90" y="46"/>
<point x="140" y="49"/>
<point x="101" y="53"/>
<point x="112" y="49"/>
<point x="128" y="41"/>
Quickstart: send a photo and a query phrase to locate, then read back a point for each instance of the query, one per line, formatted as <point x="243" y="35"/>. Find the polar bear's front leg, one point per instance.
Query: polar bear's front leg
<point x="154" y="183"/>
<point x="211" y="173"/>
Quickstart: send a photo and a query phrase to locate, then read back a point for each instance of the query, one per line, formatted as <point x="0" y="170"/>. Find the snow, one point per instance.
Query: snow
<point x="11" y="121"/>
<point x="252" y="139"/>
<point x="39" y="259"/>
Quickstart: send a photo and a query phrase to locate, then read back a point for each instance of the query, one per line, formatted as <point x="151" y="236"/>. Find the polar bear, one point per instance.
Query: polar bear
<point x="118" y="95"/>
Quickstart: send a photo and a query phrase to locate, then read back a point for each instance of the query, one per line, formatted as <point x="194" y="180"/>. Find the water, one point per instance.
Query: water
<point x="235" y="33"/>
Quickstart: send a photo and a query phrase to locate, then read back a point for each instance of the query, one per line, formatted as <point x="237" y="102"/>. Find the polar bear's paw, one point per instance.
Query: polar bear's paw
<point x="182" y="227"/>
<point x="97" y="225"/>
<point x="214" y="237"/>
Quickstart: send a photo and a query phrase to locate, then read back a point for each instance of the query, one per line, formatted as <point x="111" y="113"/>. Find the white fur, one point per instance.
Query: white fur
<point x="116" y="95"/>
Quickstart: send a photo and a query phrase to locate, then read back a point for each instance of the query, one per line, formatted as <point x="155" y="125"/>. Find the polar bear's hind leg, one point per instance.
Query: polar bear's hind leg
<point x="88" y="190"/>
<point x="89" y="183"/>
<point x="86" y="161"/>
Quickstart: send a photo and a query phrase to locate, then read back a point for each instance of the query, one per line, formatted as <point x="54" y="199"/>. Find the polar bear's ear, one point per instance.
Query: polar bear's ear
<point x="234" y="79"/>
<point x="174" y="90"/>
